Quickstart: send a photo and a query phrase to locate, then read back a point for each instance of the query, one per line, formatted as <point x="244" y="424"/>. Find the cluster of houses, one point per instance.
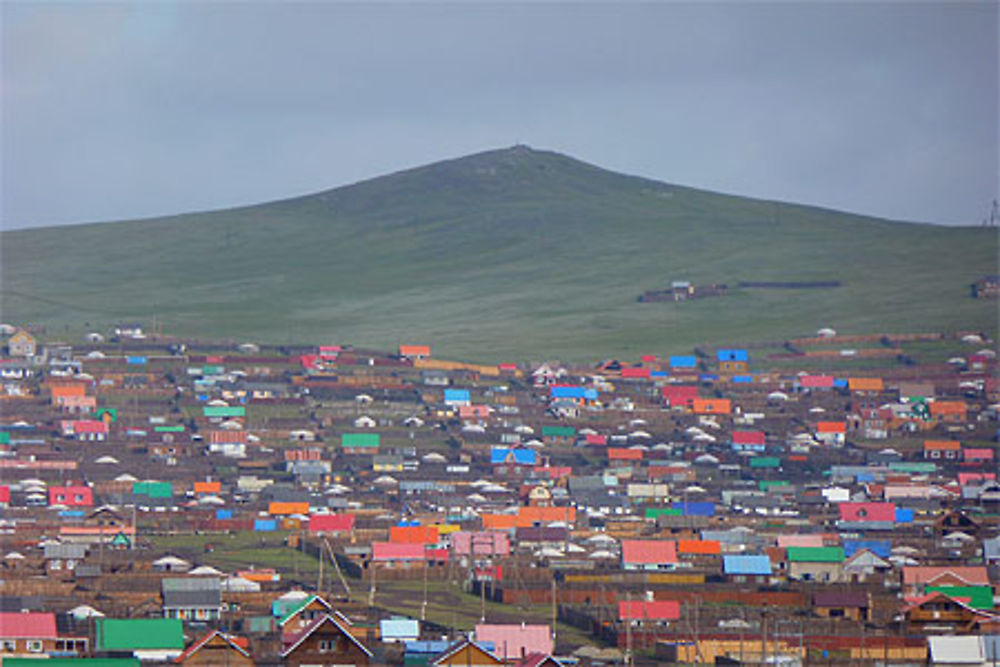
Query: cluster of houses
<point x="823" y="502"/>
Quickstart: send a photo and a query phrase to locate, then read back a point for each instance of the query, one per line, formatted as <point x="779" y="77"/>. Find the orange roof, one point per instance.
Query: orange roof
<point x="624" y="454"/>
<point x="548" y="514"/>
<point x="414" y="534"/>
<point x="704" y="547"/>
<point x="972" y="575"/>
<point x="414" y="350"/>
<point x="207" y="487"/>
<point x="942" y="445"/>
<point x="69" y="389"/>
<point x="288" y="508"/>
<point x="831" y="427"/>
<point x="865" y="384"/>
<point x="504" y="521"/>
<point x="711" y="406"/>
<point x="947" y="408"/>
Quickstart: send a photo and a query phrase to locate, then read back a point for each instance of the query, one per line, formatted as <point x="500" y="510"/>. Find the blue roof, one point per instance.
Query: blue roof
<point x="659" y="374"/>
<point x="265" y="525"/>
<point x="881" y="548"/>
<point x="904" y="515"/>
<point x="840" y="383"/>
<point x="696" y="509"/>
<point x="684" y="361"/>
<point x="520" y="455"/>
<point x="708" y="377"/>
<point x="573" y="392"/>
<point x="733" y="355"/>
<point x="745" y="564"/>
<point x="743" y="378"/>
<point x="399" y="627"/>
<point x="432" y="647"/>
<point x="456" y="395"/>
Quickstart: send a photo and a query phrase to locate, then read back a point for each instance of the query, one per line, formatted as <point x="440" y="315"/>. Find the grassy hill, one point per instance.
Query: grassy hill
<point x="510" y="254"/>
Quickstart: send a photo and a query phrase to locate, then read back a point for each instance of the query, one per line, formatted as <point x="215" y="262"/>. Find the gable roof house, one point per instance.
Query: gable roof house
<point x="515" y="640"/>
<point x="192" y="598"/>
<point x="217" y="648"/>
<point x="29" y="634"/>
<point x="326" y="641"/>
<point x="649" y="554"/>
<point x="825" y="564"/>
<point x="467" y="653"/>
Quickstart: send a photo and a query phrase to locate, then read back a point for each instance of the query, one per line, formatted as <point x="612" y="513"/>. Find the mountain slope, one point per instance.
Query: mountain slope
<point x="506" y="254"/>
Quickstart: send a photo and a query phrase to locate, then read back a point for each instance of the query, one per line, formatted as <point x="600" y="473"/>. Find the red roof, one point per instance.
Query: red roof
<point x="831" y="427"/>
<point x="659" y="610"/>
<point x="624" y="454"/>
<point x="748" y="437"/>
<point x="649" y="552"/>
<point x="4" y="494"/>
<point x="89" y="426"/>
<point x="397" y="551"/>
<point x="978" y="454"/>
<point x="816" y="381"/>
<point x="34" y="625"/>
<point x="635" y="372"/>
<point x="596" y="439"/>
<point x="331" y="523"/>
<point x="679" y="394"/>
<point x="867" y="511"/>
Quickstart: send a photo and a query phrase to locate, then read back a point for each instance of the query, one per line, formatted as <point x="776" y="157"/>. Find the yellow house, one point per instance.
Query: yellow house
<point x="22" y="344"/>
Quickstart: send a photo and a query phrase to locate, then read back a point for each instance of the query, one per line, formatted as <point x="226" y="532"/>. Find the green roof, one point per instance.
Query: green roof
<point x="558" y="431"/>
<point x="4" y="437"/>
<point x="653" y="512"/>
<point x="765" y="462"/>
<point x="980" y="597"/>
<point x="766" y="484"/>
<point x="225" y="411"/>
<point x="129" y="634"/>
<point x="153" y="489"/>
<point x="72" y="662"/>
<point x="169" y="429"/>
<point x="212" y="370"/>
<point x="359" y="440"/>
<point x="815" y="555"/>
<point x="916" y="466"/>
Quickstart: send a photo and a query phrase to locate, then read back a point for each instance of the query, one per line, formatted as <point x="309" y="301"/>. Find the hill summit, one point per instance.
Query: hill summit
<point x="513" y="253"/>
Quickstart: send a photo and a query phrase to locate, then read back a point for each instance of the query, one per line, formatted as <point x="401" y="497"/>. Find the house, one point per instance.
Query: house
<point x="863" y="564"/>
<point x="967" y="651"/>
<point x="941" y="612"/>
<point x="152" y="639"/>
<point x="393" y="630"/>
<point x="733" y="361"/>
<point x="22" y="344"/>
<point x="131" y="330"/>
<point x="987" y="287"/>
<point x="90" y="430"/>
<point x="359" y="443"/>
<point x="515" y="640"/>
<point x="415" y="351"/>
<point x="711" y="406"/>
<point x="457" y="397"/>
<point x="746" y="568"/>
<point x="63" y="557"/>
<point x="192" y="599"/>
<point x="823" y="564"/>
<point x="33" y="634"/>
<point x="866" y="386"/>
<point x="809" y="383"/>
<point x="466" y="653"/>
<point x="942" y="449"/>
<point x="748" y="441"/>
<point x="679" y="396"/>
<point x="643" y="613"/>
<point x="949" y="412"/>
<point x="217" y="648"/>
<point x="916" y="578"/>
<point x="649" y="554"/>
<point x="71" y="496"/>
<point x="326" y="641"/>
<point x="957" y="521"/>
<point x="320" y="524"/>
<point x="853" y="605"/>
<point x="515" y="461"/>
<point x="831" y="433"/>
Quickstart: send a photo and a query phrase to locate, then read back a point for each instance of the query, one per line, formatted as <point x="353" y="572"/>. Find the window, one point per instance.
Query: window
<point x="327" y="645"/>
<point x="9" y="645"/>
<point x="34" y="646"/>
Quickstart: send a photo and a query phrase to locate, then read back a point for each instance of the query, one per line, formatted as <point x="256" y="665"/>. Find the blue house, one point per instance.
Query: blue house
<point x="745" y="568"/>
<point x="706" y="509"/>
<point x="457" y="397"/>
<point x="733" y="361"/>
<point x="517" y="461"/>
<point x="684" y="361"/>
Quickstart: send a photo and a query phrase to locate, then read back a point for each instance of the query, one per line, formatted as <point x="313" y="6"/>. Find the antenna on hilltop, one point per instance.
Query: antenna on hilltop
<point x="993" y="218"/>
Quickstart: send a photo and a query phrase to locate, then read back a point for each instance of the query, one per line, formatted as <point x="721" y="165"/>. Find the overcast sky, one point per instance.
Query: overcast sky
<point x="125" y="110"/>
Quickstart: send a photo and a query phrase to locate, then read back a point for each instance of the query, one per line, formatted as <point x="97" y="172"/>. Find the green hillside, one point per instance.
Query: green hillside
<point x="512" y="254"/>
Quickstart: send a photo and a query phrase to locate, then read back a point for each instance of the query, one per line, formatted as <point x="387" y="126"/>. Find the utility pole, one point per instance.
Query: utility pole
<point x="628" y="628"/>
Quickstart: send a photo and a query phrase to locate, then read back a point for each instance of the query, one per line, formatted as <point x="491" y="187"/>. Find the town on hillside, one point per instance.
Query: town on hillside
<point x="822" y="500"/>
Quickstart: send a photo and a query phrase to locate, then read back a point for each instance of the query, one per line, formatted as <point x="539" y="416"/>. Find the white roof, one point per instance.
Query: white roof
<point x="967" y="650"/>
<point x="107" y="459"/>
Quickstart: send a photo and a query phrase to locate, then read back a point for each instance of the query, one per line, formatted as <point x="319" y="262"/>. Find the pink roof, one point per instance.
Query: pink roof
<point x="34" y="625"/>
<point x="4" y="494"/>
<point x="973" y="575"/>
<point x="867" y="511"/>
<point x="397" y="551"/>
<point x="480" y="542"/>
<point x="596" y="439"/>
<point x="816" y="381"/>
<point x="981" y="454"/>
<point x="331" y="523"/>
<point x="963" y="477"/>
<point x="748" y="437"/>
<point x="785" y="541"/>
<point x="89" y="426"/>
<point x="658" y="610"/>
<point x="515" y="640"/>
<point x="649" y="552"/>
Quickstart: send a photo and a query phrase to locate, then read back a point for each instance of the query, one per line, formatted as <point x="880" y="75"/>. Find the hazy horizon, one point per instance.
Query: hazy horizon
<point x="121" y="111"/>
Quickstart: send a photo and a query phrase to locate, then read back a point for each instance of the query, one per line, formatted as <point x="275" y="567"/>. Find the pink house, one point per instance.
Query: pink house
<point x="72" y="496"/>
<point x="815" y="540"/>
<point x="85" y="429"/>
<point x="483" y="542"/>
<point x="649" y="610"/>
<point x="649" y="554"/>
<point x="984" y="454"/>
<point x="867" y="512"/>
<point x="331" y="523"/>
<point x="516" y="640"/>
<point x="816" y="381"/>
